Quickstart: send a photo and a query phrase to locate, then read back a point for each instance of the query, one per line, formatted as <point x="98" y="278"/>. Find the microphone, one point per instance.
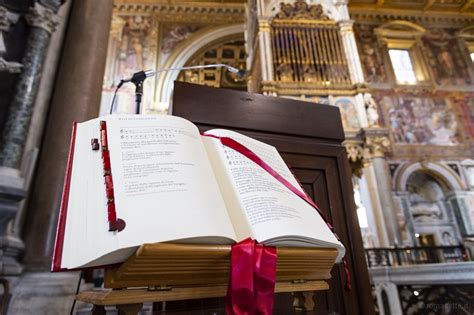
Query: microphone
<point x="140" y="76"/>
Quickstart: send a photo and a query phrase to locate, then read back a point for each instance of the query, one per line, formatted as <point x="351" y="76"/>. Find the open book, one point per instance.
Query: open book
<point x="172" y="184"/>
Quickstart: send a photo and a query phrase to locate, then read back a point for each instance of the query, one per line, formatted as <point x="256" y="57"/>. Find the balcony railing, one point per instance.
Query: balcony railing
<point x="389" y="257"/>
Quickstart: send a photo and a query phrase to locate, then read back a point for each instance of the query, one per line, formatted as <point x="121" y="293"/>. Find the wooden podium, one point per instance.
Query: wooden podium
<point x="170" y="272"/>
<point x="309" y="137"/>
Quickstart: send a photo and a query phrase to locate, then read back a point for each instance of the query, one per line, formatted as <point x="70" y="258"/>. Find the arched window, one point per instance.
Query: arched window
<point x="403" y="42"/>
<point x="230" y="51"/>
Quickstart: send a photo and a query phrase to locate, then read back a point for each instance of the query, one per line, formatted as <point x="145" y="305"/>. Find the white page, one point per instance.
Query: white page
<point x="271" y="209"/>
<point x="86" y="233"/>
<point x="164" y="185"/>
<point x="215" y="152"/>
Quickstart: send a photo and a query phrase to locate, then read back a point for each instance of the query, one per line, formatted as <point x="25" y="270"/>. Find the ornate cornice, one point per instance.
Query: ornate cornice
<point x="379" y="16"/>
<point x="42" y="17"/>
<point x="263" y="26"/>
<point x="346" y="26"/>
<point x="190" y="13"/>
<point x="302" y="88"/>
<point x="300" y="10"/>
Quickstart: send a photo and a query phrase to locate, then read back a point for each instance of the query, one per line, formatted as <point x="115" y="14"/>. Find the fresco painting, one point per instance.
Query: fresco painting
<point x="133" y="52"/>
<point x="370" y="54"/>
<point x="416" y="120"/>
<point x="349" y="116"/>
<point x="445" y="58"/>
<point x="172" y="36"/>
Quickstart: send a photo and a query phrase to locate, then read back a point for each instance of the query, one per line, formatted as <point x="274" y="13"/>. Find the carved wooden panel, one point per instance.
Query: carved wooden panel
<point x="309" y="138"/>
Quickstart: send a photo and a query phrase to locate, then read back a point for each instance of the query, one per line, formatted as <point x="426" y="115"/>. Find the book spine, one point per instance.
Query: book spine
<point x="115" y="224"/>
<point x="61" y="228"/>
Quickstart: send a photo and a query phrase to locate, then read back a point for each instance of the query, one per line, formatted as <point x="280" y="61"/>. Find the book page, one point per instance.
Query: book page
<point x="260" y="203"/>
<point x="86" y="233"/>
<point x="165" y="188"/>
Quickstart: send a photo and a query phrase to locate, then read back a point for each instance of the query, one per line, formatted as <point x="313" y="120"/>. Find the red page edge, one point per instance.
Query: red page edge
<point x="60" y="230"/>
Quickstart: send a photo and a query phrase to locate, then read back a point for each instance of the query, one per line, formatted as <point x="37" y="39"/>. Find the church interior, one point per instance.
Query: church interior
<point x="400" y="72"/>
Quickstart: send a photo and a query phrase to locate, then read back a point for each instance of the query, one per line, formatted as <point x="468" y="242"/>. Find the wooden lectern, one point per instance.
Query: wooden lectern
<point x="309" y="137"/>
<point x="174" y="272"/>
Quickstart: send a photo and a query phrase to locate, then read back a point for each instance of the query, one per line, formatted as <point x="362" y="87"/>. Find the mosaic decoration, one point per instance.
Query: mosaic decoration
<point x="445" y="58"/>
<point x="420" y="120"/>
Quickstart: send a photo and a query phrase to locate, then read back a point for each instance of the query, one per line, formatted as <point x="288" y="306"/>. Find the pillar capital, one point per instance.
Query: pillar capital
<point x="354" y="144"/>
<point x="263" y="26"/>
<point x="346" y="26"/>
<point x="42" y="17"/>
<point x="377" y="142"/>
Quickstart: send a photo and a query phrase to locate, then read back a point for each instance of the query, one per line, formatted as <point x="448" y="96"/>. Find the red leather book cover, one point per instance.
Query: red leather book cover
<point x="58" y="244"/>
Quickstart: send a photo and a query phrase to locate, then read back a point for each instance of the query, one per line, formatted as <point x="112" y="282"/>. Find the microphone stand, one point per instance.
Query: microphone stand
<point x="138" y="95"/>
<point x="139" y="77"/>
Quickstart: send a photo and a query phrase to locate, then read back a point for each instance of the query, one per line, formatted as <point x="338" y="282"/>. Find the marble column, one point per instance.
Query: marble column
<point x="377" y="214"/>
<point x="43" y="21"/>
<point x="265" y="45"/>
<point x="13" y="238"/>
<point x="350" y="49"/>
<point x="76" y="98"/>
<point x="378" y="145"/>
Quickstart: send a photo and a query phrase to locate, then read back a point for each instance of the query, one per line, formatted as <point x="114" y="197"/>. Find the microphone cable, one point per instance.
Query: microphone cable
<point x="115" y="96"/>
<point x="142" y="75"/>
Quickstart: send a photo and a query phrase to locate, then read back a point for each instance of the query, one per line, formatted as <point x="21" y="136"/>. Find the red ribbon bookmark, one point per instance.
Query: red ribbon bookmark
<point x="252" y="279"/>
<point x="231" y="143"/>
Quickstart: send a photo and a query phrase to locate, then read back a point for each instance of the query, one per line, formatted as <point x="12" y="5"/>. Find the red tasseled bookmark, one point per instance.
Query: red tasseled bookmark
<point x="252" y="279"/>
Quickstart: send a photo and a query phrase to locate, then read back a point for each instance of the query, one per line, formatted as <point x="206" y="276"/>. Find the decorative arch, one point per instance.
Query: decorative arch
<point x="444" y="174"/>
<point x="186" y="50"/>
<point x="400" y="29"/>
<point x="403" y="25"/>
<point x="335" y="11"/>
<point x="467" y="32"/>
